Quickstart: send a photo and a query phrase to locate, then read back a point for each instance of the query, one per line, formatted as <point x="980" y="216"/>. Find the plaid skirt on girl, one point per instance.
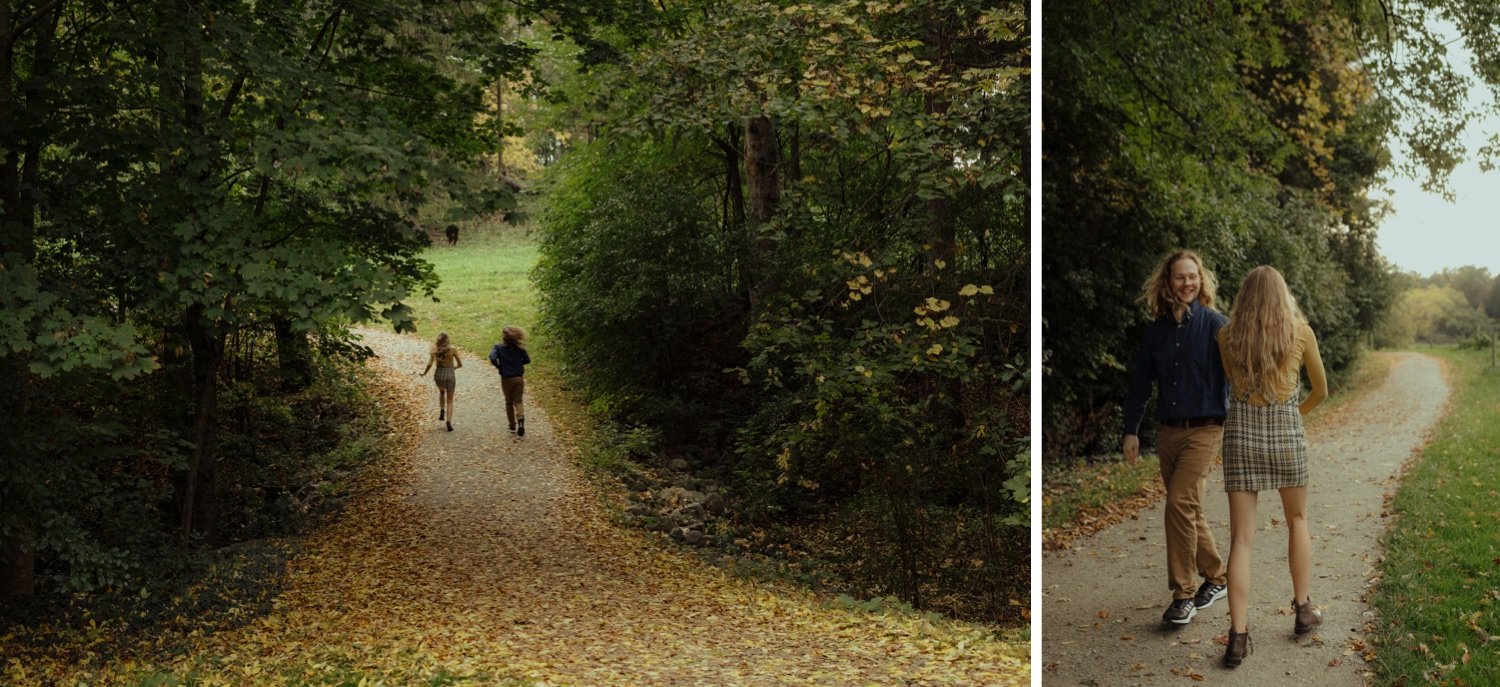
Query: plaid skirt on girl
<point x="1265" y="447"/>
<point x="444" y="378"/>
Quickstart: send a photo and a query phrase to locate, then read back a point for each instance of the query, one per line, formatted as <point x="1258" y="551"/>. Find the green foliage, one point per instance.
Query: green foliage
<point x="1253" y="143"/>
<point x="1431" y="314"/>
<point x="1492" y="303"/>
<point x="637" y="282"/>
<point x="187" y="188"/>
<point x="859" y="341"/>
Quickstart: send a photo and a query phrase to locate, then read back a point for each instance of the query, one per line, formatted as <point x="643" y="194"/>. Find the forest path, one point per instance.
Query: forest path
<point x="1102" y="600"/>
<point x="487" y="555"/>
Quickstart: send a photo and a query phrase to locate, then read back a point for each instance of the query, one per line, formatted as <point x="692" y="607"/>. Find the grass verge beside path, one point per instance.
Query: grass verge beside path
<point x="1082" y="499"/>
<point x="1439" y="598"/>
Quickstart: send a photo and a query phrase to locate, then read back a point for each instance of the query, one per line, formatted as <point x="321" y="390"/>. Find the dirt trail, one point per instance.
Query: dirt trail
<point x="488" y="555"/>
<point x="1102" y="600"/>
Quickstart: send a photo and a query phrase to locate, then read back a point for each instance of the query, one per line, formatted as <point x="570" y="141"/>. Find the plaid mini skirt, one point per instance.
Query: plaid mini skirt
<point x="1265" y="447"/>
<point x="444" y="378"/>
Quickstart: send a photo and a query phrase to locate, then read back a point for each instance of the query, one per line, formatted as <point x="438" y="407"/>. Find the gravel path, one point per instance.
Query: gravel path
<point x="1103" y="599"/>
<point x="506" y="537"/>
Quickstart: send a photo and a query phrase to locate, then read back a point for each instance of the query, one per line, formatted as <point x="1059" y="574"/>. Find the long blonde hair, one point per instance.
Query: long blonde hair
<point x="1157" y="294"/>
<point x="1261" y="332"/>
<point x="442" y="348"/>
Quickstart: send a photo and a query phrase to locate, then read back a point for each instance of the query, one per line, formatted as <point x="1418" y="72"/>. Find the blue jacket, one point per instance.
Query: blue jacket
<point x="1183" y="359"/>
<point x="510" y="361"/>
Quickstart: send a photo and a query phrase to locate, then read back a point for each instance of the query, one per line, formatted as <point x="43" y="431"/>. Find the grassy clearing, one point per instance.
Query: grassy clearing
<point x="486" y="286"/>
<point x="1081" y="499"/>
<point x="1439" y="600"/>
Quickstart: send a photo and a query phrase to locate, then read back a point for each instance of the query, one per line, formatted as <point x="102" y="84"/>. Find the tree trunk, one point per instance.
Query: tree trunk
<point x="18" y="553"/>
<point x="794" y="158"/>
<point x="19" y="168"/>
<point x="762" y="160"/>
<point x="292" y="354"/>
<point x="500" y="172"/>
<point x="199" y="494"/>
<point x="940" y="219"/>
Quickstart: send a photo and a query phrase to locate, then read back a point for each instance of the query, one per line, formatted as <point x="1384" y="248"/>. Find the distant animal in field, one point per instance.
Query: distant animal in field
<point x="452" y="232"/>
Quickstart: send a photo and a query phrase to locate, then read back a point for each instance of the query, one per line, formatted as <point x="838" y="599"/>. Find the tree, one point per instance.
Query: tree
<point x="1492" y="305"/>
<point x="1473" y="282"/>
<point x="246" y="169"/>
<point x="828" y="200"/>
<point x="1249" y="131"/>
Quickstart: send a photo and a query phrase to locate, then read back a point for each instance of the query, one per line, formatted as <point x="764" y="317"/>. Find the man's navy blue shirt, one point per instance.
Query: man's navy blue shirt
<point x="511" y="361"/>
<point x="1183" y="359"/>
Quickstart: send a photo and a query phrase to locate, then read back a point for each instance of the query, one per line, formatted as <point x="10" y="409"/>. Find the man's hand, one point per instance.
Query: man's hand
<point x="1132" y="448"/>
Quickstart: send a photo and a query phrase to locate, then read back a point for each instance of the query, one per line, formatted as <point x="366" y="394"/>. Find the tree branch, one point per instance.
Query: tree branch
<point x="24" y="24"/>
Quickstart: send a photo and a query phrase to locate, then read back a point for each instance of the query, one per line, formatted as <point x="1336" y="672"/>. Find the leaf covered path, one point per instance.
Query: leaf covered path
<point x="484" y="558"/>
<point x="1102" y="599"/>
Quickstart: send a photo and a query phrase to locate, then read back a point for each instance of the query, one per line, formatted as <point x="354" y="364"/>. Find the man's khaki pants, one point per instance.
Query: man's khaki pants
<point x="513" y="388"/>
<point x="1187" y="455"/>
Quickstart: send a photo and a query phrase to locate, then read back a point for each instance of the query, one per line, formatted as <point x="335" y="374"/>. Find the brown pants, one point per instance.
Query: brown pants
<point x="1187" y="455"/>
<point x="513" y="388"/>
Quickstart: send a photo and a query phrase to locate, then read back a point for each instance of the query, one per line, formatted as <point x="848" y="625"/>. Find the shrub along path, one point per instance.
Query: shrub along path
<point x="1102" y="600"/>
<point x="483" y="558"/>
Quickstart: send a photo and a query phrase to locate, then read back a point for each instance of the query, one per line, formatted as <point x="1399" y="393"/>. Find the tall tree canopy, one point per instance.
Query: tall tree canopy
<point x="179" y="176"/>
<point x="1248" y="131"/>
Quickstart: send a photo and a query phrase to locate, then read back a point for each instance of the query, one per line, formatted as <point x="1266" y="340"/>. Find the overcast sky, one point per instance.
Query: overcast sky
<point x="1425" y="233"/>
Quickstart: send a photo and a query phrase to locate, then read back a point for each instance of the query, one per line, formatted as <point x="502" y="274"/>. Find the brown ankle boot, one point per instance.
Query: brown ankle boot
<point x="1239" y="647"/>
<point x="1307" y="616"/>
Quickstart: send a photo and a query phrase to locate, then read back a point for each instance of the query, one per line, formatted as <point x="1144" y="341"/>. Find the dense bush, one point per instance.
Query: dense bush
<point x="107" y="480"/>
<point x="638" y="281"/>
<point x="810" y="266"/>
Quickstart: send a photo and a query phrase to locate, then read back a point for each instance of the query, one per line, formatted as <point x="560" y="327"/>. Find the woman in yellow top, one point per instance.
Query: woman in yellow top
<point x="445" y="356"/>
<point x="1263" y="348"/>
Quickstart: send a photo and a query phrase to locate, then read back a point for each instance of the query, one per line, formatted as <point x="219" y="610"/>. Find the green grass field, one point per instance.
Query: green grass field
<point x="486" y="286"/>
<point x="1439" y="599"/>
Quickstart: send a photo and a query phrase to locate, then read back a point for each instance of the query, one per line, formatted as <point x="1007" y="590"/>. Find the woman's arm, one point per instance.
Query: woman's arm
<point x="1315" y="374"/>
<point x="459" y="362"/>
<point x="430" y="358"/>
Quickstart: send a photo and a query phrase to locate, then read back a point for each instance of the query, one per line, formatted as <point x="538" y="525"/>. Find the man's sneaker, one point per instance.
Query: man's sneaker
<point x="520" y="428"/>
<point x="1208" y="593"/>
<point x="1180" y="612"/>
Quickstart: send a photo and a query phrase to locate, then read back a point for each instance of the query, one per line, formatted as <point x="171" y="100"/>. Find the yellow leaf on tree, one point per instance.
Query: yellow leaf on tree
<point x="968" y="290"/>
<point x="936" y="349"/>
<point x="987" y="290"/>
<point x="949" y="321"/>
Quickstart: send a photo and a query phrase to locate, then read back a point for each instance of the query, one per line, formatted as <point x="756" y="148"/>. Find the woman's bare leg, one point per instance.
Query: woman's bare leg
<point x="1298" y="541"/>
<point x="450" y="404"/>
<point x="1241" y="536"/>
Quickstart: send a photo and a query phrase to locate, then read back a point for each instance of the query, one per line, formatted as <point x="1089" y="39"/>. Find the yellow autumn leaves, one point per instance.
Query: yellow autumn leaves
<point x="928" y="311"/>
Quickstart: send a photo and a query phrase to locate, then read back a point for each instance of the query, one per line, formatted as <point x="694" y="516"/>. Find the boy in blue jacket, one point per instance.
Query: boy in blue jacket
<point x="509" y="357"/>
